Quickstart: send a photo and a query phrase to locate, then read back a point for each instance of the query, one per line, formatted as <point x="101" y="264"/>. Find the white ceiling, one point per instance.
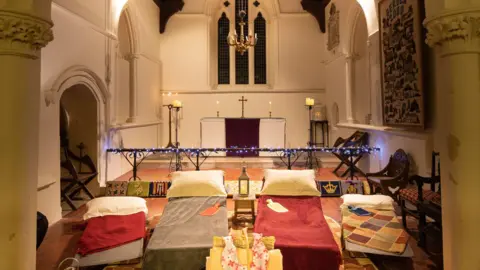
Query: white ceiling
<point x="286" y="6"/>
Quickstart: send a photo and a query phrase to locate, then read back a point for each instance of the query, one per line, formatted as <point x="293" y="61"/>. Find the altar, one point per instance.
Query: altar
<point x="217" y="132"/>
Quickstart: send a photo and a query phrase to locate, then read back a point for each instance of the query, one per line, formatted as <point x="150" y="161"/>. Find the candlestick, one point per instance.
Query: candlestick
<point x="218" y="114"/>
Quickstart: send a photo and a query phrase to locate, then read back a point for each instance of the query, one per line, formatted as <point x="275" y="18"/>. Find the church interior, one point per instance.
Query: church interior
<point x="240" y="134"/>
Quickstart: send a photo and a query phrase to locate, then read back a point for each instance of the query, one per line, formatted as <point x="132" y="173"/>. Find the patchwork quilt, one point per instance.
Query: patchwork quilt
<point x="381" y="230"/>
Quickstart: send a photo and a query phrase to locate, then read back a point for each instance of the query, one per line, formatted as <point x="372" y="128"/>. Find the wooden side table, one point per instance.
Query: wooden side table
<point x="244" y="205"/>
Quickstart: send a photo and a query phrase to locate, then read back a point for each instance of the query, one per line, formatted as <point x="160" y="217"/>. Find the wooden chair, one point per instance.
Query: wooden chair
<point x="357" y="139"/>
<point x="393" y="177"/>
<point x="75" y="182"/>
<point x="416" y="194"/>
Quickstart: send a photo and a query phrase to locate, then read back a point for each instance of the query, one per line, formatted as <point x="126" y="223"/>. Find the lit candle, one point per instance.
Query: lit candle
<point x="243" y="187"/>
<point x="177" y="104"/>
<point x="309" y="101"/>
<point x="270" y="106"/>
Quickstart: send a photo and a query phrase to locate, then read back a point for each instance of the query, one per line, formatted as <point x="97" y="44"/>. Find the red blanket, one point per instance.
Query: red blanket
<point x="107" y="232"/>
<point x="302" y="234"/>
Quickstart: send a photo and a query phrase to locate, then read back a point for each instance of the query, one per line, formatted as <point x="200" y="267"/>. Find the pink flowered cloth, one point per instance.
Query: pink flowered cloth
<point x="259" y="255"/>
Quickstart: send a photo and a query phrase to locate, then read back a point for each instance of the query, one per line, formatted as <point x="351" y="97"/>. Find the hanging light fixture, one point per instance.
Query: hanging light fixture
<point x="242" y="43"/>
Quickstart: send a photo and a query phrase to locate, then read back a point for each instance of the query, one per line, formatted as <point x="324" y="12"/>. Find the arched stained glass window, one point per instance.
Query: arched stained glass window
<point x="241" y="61"/>
<point x="223" y="50"/>
<point x="260" y="27"/>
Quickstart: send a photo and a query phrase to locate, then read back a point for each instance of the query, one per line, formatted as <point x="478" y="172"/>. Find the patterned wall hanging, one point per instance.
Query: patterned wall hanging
<point x="333" y="28"/>
<point x="401" y="42"/>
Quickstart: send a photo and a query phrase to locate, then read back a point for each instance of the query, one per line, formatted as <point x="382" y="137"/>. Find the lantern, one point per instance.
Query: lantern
<point x="244" y="183"/>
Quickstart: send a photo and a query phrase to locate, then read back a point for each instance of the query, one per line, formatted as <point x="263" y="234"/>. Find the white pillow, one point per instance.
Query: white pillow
<point x="290" y="183"/>
<point x="115" y="206"/>
<point x="378" y="202"/>
<point x="197" y="184"/>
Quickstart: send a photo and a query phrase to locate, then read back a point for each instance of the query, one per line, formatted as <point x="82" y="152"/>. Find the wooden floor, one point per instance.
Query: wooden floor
<point x="62" y="237"/>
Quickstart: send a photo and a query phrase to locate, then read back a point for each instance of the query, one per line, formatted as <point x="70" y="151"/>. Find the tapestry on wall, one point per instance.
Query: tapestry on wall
<point x="401" y="42"/>
<point x="333" y="28"/>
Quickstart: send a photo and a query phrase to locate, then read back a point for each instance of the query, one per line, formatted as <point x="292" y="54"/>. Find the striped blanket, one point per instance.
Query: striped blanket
<point x="381" y="230"/>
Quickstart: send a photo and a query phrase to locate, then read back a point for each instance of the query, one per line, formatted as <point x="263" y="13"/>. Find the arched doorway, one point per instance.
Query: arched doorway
<point x="78" y="138"/>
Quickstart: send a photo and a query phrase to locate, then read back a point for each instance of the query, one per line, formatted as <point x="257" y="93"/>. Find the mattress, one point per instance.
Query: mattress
<point x="183" y="238"/>
<point x="129" y="251"/>
<point x="302" y="234"/>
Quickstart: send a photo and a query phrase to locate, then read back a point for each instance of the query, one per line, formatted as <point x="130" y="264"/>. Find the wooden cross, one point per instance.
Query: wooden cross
<point x="243" y="100"/>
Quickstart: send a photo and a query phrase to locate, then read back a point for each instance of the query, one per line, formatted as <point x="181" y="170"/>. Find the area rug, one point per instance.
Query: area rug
<point x="158" y="189"/>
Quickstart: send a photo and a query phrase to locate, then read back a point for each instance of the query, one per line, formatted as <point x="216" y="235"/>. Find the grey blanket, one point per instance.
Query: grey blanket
<point x="183" y="238"/>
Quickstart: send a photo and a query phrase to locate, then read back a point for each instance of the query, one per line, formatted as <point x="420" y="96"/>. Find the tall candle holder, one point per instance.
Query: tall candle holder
<point x="177" y="105"/>
<point x="170" y="144"/>
<point x="270" y="109"/>
<point x="309" y="103"/>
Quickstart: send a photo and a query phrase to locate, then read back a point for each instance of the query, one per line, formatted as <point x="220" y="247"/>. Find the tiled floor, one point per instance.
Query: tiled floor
<point x="63" y="236"/>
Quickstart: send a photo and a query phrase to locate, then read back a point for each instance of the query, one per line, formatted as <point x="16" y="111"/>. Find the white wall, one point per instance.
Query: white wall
<point x="295" y="48"/>
<point x="196" y="106"/>
<point x="85" y="36"/>
<point x="418" y="144"/>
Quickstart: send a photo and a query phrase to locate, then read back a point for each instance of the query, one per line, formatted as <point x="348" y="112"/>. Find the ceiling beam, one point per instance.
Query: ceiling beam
<point x="317" y="9"/>
<point x="167" y="9"/>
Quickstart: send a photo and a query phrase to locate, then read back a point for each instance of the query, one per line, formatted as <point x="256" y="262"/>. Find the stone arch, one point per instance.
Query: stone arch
<point x="81" y="75"/>
<point x="132" y="28"/>
<point x="369" y="8"/>
<point x="352" y="20"/>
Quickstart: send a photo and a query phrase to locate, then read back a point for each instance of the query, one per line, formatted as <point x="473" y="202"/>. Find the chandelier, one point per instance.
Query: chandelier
<point x="243" y="43"/>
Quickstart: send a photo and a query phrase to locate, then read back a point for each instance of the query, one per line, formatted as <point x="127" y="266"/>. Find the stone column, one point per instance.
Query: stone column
<point x="349" y="87"/>
<point x="456" y="37"/>
<point x="24" y="30"/>
<point x="133" y="111"/>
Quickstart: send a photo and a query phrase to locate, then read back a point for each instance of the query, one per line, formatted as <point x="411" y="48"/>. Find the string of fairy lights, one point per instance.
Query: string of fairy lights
<point x="245" y="150"/>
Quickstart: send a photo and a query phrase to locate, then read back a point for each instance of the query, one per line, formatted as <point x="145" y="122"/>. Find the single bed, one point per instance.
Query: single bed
<point x="183" y="238"/>
<point x="111" y="238"/>
<point x="126" y="252"/>
<point x="379" y="233"/>
<point x="302" y="234"/>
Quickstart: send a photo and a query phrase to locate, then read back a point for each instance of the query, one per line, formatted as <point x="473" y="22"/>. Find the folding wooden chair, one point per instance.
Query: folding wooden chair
<point x="357" y="139"/>
<point x="75" y="181"/>
<point x="91" y="169"/>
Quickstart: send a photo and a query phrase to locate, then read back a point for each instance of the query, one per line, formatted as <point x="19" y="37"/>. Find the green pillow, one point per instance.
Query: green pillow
<point x="138" y="189"/>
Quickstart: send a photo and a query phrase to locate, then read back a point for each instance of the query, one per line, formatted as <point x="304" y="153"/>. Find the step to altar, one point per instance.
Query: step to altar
<point x="165" y="161"/>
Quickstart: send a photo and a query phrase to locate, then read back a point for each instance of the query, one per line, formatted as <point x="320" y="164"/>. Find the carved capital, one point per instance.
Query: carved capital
<point x="131" y="57"/>
<point x="455" y="32"/>
<point x="23" y="34"/>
